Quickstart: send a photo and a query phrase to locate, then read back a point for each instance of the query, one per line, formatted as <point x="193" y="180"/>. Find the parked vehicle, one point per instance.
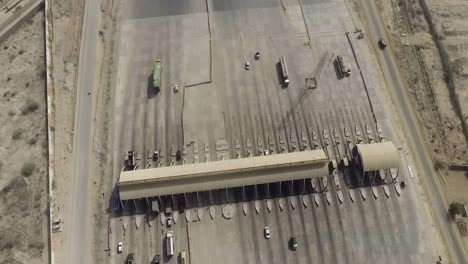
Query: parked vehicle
<point x="120" y="247"/>
<point x="266" y="232"/>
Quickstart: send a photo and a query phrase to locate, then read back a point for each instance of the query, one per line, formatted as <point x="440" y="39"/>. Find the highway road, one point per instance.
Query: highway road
<point x="376" y="29"/>
<point x="77" y="248"/>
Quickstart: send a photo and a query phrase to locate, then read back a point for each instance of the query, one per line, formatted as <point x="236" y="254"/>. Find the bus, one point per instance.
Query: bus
<point x="157" y="75"/>
<point x="169" y="244"/>
<point x="284" y="71"/>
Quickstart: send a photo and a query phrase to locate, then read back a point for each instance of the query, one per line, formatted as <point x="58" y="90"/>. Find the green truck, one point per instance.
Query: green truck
<point x="157" y="75"/>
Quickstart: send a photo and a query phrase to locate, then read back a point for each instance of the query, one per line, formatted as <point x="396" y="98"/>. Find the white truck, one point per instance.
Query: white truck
<point x="284" y="71"/>
<point x="169" y="244"/>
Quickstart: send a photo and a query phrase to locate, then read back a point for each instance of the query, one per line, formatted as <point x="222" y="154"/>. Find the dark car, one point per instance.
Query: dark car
<point x="402" y="184"/>
<point x="156" y="259"/>
<point x="156" y="155"/>
<point x="382" y="43"/>
<point x="293" y="243"/>
<point x="130" y="259"/>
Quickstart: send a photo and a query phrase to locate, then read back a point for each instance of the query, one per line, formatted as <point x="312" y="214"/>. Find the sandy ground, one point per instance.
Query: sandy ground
<point x="23" y="146"/>
<point x="66" y="17"/>
<point x="449" y="17"/>
<point x="434" y="61"/>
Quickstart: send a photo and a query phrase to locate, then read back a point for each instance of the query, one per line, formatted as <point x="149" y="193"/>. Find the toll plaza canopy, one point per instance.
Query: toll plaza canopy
<point x="378" y="156"/>
<point x="222" y="174"/>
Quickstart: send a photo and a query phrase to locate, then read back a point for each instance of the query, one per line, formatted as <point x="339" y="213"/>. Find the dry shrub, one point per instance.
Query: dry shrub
<point x="439" y="163"/>
<point x="29" y="107"/>
<point x="28" y="169"/>
<point x="32" y="141"/>
<point x="17" y="134"/>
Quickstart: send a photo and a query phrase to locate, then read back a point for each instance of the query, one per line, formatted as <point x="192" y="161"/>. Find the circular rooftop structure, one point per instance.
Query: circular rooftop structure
<point x="377" y="156"/>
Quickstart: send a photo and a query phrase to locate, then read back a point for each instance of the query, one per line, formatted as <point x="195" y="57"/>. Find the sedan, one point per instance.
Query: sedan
<point x="266" y="232"/>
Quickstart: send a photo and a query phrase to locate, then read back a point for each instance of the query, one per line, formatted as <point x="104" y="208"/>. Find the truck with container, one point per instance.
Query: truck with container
<point x="284" y="71"/>
<point x="157" y="68"/>
<point x="342" y="70"/>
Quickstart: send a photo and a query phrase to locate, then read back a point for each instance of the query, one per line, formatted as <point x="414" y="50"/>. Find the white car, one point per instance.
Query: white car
<point x="247" y="65"/>
<point x="176" y="88"/>
<point x="266" y="232"/>
<point x="119" y="247"/>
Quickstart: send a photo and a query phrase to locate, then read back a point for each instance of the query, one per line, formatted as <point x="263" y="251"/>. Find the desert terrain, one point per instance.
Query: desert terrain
<point x="23" y="145"/>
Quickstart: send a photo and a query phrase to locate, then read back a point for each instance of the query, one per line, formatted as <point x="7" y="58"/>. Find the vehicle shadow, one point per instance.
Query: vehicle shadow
<point x="150" y="90"/>
<point x="339" y="76"/>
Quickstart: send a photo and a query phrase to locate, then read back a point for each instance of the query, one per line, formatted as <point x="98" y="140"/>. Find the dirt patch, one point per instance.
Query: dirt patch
<point x="23" y="168"/>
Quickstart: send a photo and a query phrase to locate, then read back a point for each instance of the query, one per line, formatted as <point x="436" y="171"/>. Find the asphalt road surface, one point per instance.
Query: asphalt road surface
<point x="78" y="250"/>
<point x="415" y="137"/>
